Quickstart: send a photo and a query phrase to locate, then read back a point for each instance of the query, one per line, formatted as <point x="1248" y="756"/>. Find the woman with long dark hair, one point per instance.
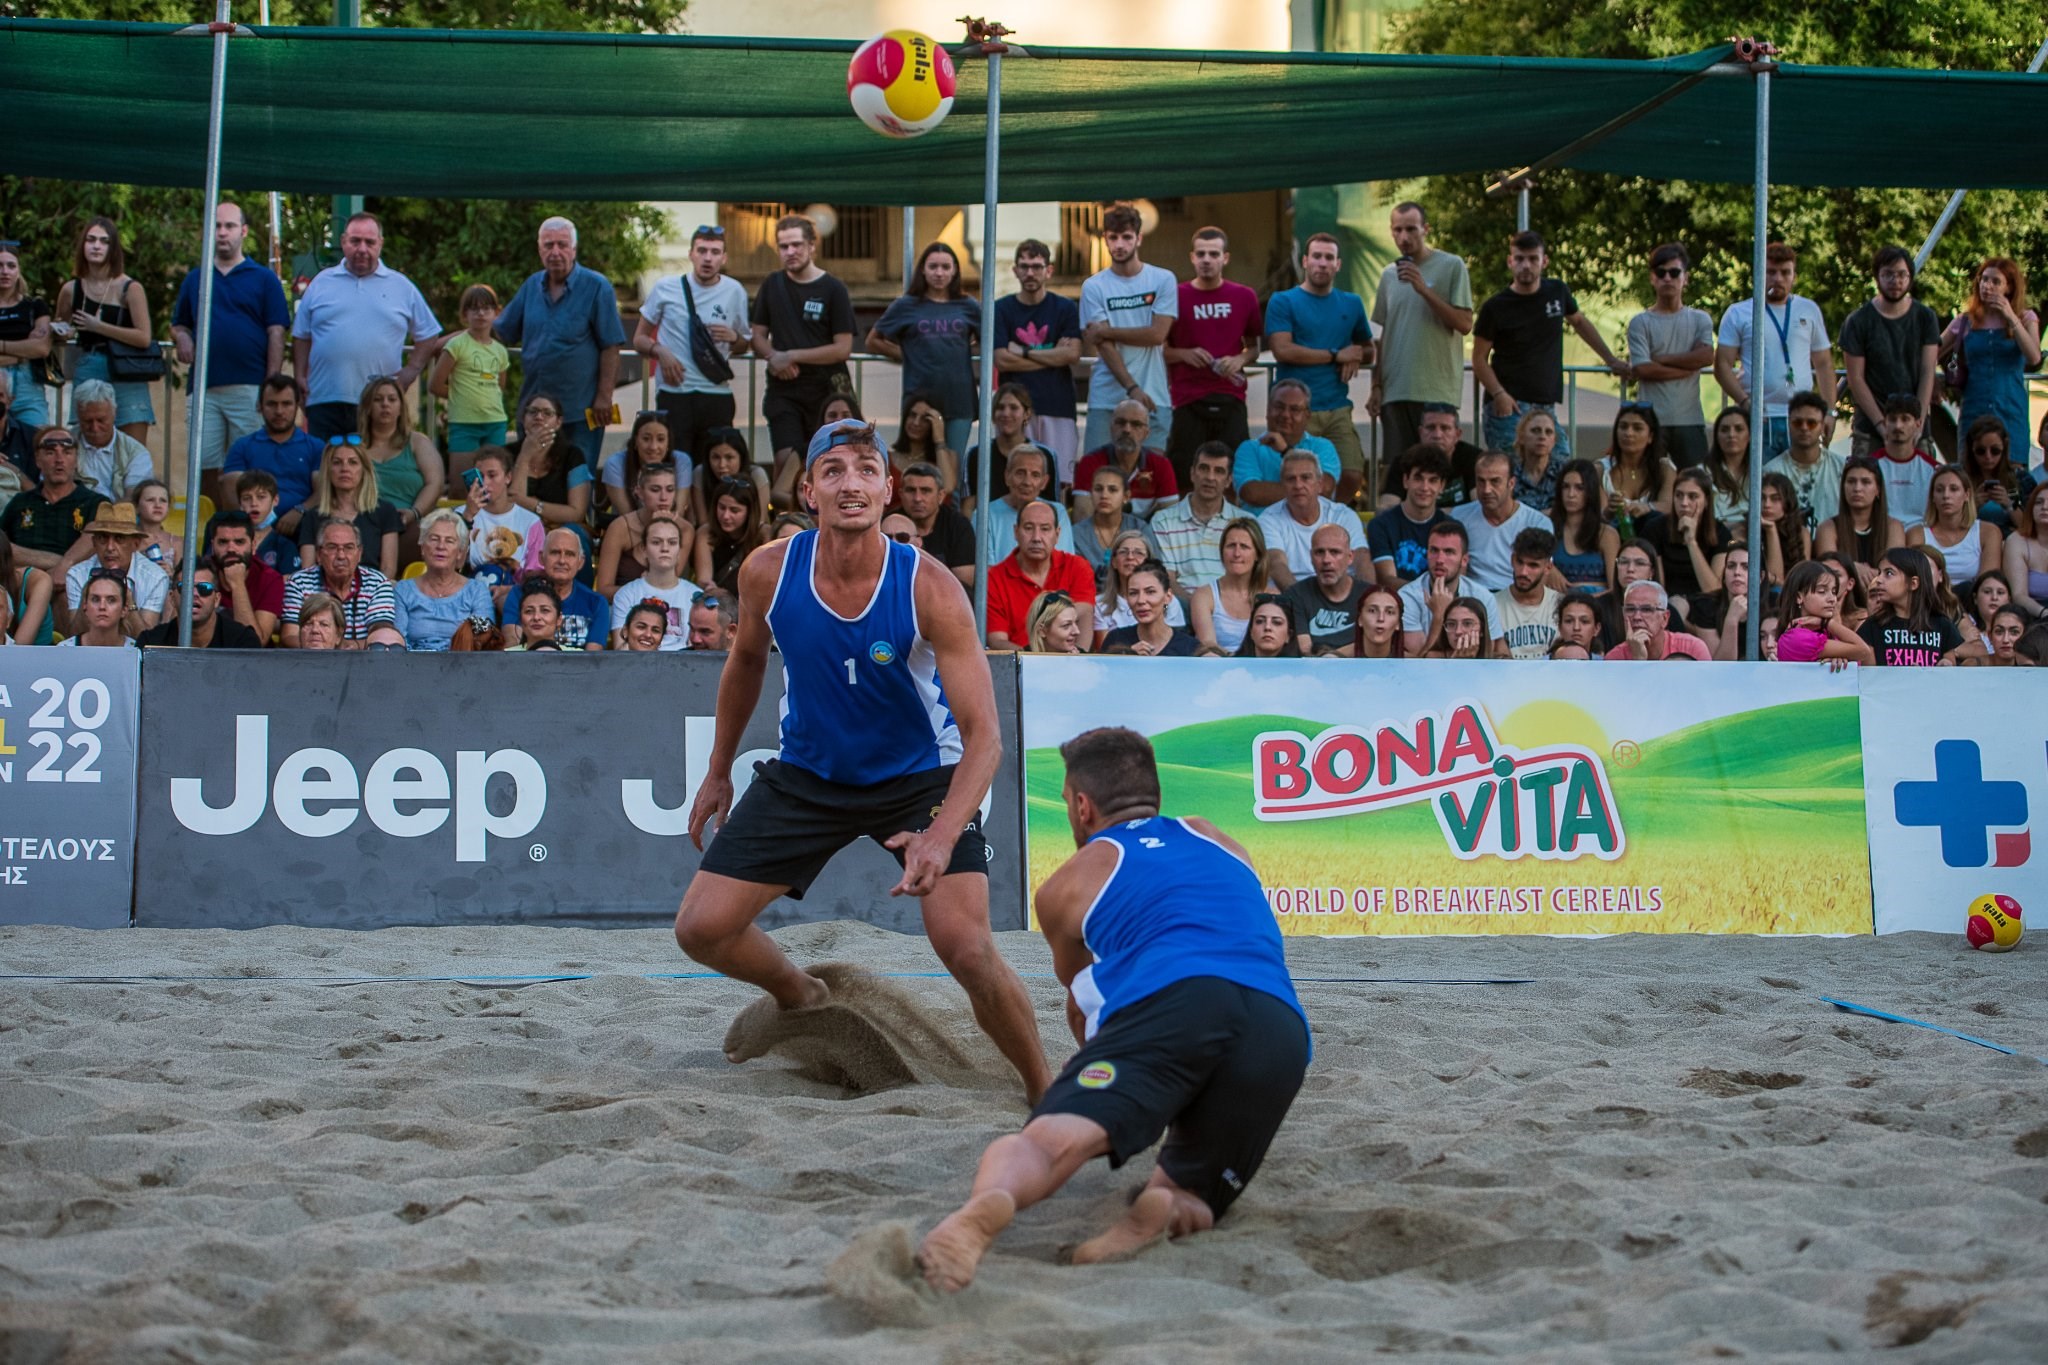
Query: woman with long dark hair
<point x="1271" y="634"/>
<point x="1586" y="545"/>
<point x="1993" y="474"/>
<point x="724" y="457"/>
<point x="1786" y="540"/>
<point x="99" y="305"/>
<point x="1906" y="626"/>
<point x="1636" y="472"/>
<point x="1728" y="467"/>
<point x="550" y="477"/>
<point x="737" y="528"/>
<point x="1863" y="527"/>
<point x="933" y="328"/>
<point x="921" y="439"/>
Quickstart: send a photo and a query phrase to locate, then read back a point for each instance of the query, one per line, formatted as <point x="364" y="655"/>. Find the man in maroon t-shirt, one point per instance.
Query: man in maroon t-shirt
<point x="251" y="591"/>
<point x="1216" y="335"/>
<point x="1035" y="567"/>
<point x="1148" y="477"/>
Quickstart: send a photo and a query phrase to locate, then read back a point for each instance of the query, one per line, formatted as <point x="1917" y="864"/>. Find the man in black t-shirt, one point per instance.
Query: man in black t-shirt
<point x="1518" y="346"/>
<point x="1038" y="339"/>
<point x="210" y="629"/>
<point x="1399" y="536"/>
<point x="1889" y="347"/>
<point x="1326" y="606"/>
<point x="44" y="523"/>
<point x="803" y="330"/>
<point x="948" y="537"/>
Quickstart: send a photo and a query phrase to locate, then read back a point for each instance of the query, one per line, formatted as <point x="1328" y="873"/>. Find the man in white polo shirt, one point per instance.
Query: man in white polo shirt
<point x="1494" y="519"/>
<point x="352" y="325"/>
<point x="1290" y="524"/>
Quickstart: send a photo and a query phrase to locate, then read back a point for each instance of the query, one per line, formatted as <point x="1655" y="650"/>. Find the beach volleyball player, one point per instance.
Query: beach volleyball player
<point x="1177" y="991"/>
<point x="888" y="730"/>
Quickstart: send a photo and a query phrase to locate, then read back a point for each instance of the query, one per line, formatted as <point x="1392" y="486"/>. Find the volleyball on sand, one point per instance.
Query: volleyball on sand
<point x="901" y="83"/>
<point x="1994" y="925"/>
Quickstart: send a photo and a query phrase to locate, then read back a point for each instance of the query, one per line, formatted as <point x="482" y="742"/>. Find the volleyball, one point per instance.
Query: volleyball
<point x="1994" y="925"/>
<point x="901" y="83"/>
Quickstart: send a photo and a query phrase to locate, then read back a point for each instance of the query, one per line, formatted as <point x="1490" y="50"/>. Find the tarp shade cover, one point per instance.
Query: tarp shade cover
<point x="588" y="116"/>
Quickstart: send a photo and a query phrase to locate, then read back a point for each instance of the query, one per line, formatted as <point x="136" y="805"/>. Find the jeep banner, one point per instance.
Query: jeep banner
<point x="67" y="785"/>
<point x="1426" y="797"/>
<point x="363" y="790"/>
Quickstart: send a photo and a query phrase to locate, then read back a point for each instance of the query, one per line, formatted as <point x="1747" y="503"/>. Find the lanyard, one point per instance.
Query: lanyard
<point x="1784" y="331"/>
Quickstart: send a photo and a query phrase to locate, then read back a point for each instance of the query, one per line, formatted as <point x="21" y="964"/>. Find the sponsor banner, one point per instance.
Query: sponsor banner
<point x="1956" y="766"/>
<point x="1426" y="797"/>
<point x="369" y="789"/>
<point x="67" y="785"/>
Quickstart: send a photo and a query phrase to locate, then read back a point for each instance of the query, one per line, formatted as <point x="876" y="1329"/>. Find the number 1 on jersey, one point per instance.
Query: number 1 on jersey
<point x="852" y="680"/>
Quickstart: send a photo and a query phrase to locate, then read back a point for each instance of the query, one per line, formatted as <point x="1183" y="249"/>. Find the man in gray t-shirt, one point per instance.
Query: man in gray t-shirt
<point x="1668" y="345"/>
<point x="1423" y="311"/>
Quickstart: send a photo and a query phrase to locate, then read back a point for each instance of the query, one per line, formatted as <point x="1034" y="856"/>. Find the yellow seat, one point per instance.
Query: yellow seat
<point x="175" y="522"/>
<point x="414" y="570"/>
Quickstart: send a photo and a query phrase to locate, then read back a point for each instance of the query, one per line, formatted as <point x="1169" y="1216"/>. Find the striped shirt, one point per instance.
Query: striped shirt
<point x="371" y="604"/>
<point x="1190" y="545"/>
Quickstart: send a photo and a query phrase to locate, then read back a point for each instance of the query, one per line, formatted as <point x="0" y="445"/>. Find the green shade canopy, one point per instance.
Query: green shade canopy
<point x="589" y="116"/>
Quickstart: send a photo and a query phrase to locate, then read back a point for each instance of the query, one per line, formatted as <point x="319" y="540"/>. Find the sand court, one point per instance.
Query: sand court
<point x="1657" y="1149"/>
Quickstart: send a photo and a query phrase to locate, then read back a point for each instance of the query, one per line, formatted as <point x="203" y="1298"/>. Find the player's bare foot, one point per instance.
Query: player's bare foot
<point x="816" y="993"/>
<point x="951" y="1251"/>
<point x="1148" y="1220"/>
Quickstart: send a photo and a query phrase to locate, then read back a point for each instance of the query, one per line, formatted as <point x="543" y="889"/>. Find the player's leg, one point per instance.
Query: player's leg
<point x="1162" y="1209"/>
<point x="715" y="926"/>
<point x="1016" y="1172"/>
<point x="956" y="922"/>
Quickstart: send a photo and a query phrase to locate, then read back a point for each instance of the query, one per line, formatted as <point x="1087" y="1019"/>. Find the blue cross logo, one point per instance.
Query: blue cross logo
<point x="1961" y="804"/>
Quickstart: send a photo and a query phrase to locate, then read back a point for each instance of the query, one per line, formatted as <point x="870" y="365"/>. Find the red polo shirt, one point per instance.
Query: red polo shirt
<point x="1010" y="593"/>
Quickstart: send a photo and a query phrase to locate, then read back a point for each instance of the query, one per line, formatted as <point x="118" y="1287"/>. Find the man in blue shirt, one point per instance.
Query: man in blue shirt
<point x="245" y="345"/>
<point x="1255" y="468"/>
<point x="565" y="320"/>
<point x="586" y="616"/>
<point x="282" y="449"/>
<point x="1320" y="335"/>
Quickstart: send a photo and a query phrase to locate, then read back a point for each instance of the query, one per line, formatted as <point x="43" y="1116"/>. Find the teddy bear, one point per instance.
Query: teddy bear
<point x="504" y="557"/>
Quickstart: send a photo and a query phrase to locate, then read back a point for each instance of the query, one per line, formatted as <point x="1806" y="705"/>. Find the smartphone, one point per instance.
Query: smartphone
<point x="471" y="478"/>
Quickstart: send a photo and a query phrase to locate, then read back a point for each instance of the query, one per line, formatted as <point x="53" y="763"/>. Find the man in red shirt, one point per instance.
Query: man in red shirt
<point x="251" y="591"/>
<point x="1216" y="335"/>
<point x="1645" y="615"/>
<point x="1034" y="567"/>
<point x="1148" y="478"/>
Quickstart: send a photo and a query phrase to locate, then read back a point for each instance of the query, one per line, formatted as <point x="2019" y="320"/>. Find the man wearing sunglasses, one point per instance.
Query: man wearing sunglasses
<point x="1668" y="345"/>
<point x="701" y="298"/>
<point x="45" y="524"/>
<point x="210" y="629"/>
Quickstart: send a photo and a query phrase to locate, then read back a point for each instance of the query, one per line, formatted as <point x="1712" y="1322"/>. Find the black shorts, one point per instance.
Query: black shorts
<point x="1216" y="418"/>
<point x="794" y="409"/>
<point x="791" y="822"/>
<point x="691" y="417"/>
<point x="1212" y="1064"/>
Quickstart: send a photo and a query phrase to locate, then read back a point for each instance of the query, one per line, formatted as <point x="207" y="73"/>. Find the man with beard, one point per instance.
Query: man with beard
<point x="1889" y="347"/>
<point x="1149" y="478"/>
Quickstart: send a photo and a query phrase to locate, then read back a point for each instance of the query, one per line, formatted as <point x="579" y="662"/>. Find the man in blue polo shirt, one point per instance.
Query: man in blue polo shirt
<point x="565" y="320"/>
<point x="281" y="450"/>
<point x="1255" y="468"/>
<point x="352" y="326"/>
<point x="245" y="345"/>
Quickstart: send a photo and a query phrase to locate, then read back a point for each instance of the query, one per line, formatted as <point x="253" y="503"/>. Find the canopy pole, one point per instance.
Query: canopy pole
<point x="202" y="343"/>
<point x="1514" y="178"/>
<point x="990" y="38"/>
<point x="347" y="14"/>
<point x="1955" y="201"/>
<point x="1522" y="208"/>
<point x="276" y="199"/>
<point x="1758" y="54"/>
<point x="909" y="245"/>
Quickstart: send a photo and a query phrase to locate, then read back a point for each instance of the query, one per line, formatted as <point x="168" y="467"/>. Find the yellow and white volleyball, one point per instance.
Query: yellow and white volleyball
<point x="901" y="83"/>
<point x="1994" y="925"/>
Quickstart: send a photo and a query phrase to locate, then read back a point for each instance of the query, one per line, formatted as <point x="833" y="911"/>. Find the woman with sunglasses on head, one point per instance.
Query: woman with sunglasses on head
<point x="102" y="608"/>
<point x="1952" y="529"/>
<point x="1271" y="634"/>
<point x="99" y="306"/>
<point x="1221" y="609"/>
<point x="2026" y="553"/>
<point x="646" y="445"/>
<point x="1992" y="344"/>
<point x="1728" y="468"/>
<point x="1112" y="592"/>
<point x="24" y="343"/>
<point x="27" y="590"/>
<point x="1786" y="540"/>
<point x="1053" y="625"/>
<point x="620" y="558"/>
<point x="345" y="489"/>
<point x="922" y="440"/>
<point x="1586" y="545"/>
<point x="1990" y="470"/>
<point x="934" y="328"/>
<point x="1636" y="476"/>
<point x="724" y="457"/>
<point x="1863" y="527"/>
<point x="550" y="477"/>
<point x="410" y="474"/>
<point x="737" y="528"/>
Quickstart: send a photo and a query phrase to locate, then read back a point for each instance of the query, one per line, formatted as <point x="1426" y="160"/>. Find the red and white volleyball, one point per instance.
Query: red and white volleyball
<point x="901" y="83"/>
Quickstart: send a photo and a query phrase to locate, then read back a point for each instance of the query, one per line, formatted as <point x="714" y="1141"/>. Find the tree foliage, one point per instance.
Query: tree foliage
<point x="1603" y="227"/>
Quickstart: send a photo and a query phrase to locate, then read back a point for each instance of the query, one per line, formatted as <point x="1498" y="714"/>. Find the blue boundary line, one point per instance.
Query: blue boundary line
<point x="1850" y="1007"/>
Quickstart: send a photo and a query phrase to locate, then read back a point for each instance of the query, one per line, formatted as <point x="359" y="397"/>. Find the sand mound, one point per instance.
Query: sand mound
<point x="877" y="1276"/>
<point x="870" y="1036"/>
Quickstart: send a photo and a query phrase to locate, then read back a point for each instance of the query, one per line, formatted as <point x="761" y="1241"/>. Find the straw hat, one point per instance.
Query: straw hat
<point x="116" y="519"/>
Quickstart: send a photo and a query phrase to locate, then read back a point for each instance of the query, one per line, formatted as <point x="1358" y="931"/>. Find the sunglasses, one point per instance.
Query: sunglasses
<point x="9" y="244"/>
<point x="708" y="230"/>
<point x="1638" y="407"/>
<point x="56" y="443"/>
<point x="738" y="487"/>
<point x="1058" y="599"/>
<point x="1668" y="272"/>
<point x="900" y="537"/>
<point x="205" y="589"/>
<point x="352" y="439"/>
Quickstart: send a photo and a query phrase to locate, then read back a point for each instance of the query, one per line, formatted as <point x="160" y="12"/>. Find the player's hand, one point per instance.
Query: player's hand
<point x="713" y="804"/>
<point x="926" y="853"/>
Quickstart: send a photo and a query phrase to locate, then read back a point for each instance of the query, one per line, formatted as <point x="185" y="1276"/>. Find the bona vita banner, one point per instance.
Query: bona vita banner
<point x="1425" y="797"/>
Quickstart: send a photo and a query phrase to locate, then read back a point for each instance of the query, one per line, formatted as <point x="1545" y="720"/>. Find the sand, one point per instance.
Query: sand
<point x="1661" y="1149"/>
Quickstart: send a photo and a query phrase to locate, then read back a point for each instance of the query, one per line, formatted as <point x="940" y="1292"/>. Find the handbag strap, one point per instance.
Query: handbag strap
<point x="689" y="299"/>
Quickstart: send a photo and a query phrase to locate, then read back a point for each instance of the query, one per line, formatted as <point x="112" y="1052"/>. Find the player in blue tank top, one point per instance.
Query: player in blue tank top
<point x="1177" y="991"/>
<point x="888" y="731"/>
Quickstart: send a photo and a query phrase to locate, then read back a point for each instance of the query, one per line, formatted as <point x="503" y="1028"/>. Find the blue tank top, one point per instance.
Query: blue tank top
<point x="861" y="701"/>
<point x="1177" y="905"/>
<point x="1582" y="573"/>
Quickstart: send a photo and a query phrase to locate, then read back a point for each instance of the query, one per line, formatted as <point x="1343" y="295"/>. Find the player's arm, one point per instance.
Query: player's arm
<point x="739" y="686"/>
<point x="1061" y="904"/>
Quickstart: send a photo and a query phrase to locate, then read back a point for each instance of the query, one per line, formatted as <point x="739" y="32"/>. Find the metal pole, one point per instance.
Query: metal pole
<point x="1761" y="211"/>
<point x="1522" y="209"/>
<point x="988" y="335"/>
<point x="203" y="332"/>
<point x="276" y="199"/>
<point x="909" y="245"/>
<point x="1955" y="201"/>
<point x="347" y="14"/>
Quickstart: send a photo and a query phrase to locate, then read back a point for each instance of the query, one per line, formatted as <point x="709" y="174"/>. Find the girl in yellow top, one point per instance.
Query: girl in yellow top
<point x="470" y="378"/>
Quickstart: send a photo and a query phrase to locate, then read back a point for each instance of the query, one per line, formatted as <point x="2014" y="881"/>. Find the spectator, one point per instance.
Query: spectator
<point x="246" y="343"/>
<point x="1326" y="605"/>
<point x="1010" y="415"/>
<point x="352" y="324"/>
<point x="1849" y="587"/>
<point x="1053" y="625"/>
<point x="1221" y="608"/>
<point x="1423" y="310"/>
<point x="1690" y="542"/>
<point x="803" y="329"/>
<point x="1379" y="624"/>
<point x="1586" y="545"/>
<point x="110" y="461"/>
<point x="252" y="592"/>
<point x="1906" y="468"/>
<point x="1127" y="309"/>
<point x="2026" y="552"/>
<point x="1424" y="601"/>
<point x="714" y="622"/>
<point x="24" y="342"/>
<point x="430" y="608"/>
<point x="17" y="454"/>
<point x="2008" y="627"/>
<point x="1646" y="612"/>
<point x="1527" y="606"/>
<point x="1668" y="345"/>
<point x="585" y="618"/>
<point x="99" y="307"/>
<point x="27" y="593"/>
<point x="1797" y="355"/>
<point x="1320" y="336"/>
<point x="1637" y="561"/>
<point x="1518" y="345"/>
<point x="942" y="532"/>
<point x="1035" y="566"/>
<point x="565" y="321"/>
<point x="1993" y="342"/>
<point x="685" y="320"/>
<point x="152" y="509"/>
<point x="469" y="377"/>
<point x="838" y="408"/>
<point x="550" y="477"/>
<point x="1568" y="652"/>
<point x="901" y="529"/>
<point x="1040" y="339"/>
<point x="666" y="538"/>
<point x="738" y="527"/>
<point x="103" y="615"/>
<point x="117" y="547"/>
<point x="1213" y="337"/>
<point x="1906" y="627"/>
<point x="1112" y="605"/>
<point x="1950" y="528"/>
<point x="345" y="489"/>
<point x="622" y="558"/>
<point x="925" y="437"/>
<point x="1149" y="595"/>
<point x="645" y="627"/>
<point x="725" y="457"/>
<point x="1578" y="623"/>
<point x="363" y="594"/>
<point x="1148" y="479"/>
<point x="410" y="475"/>
<point x="1398" y="535"/>
<point x="1443" y="429"/>
<point x="1863" y="527"/>
<point x="1636" y="473"/>
<point x="1537" y="463"/>
<point x="1988" y="464"/>
<point x="45" y="523"/>
<point x="1727" y="466"/>
<point x="539" y="620"/>
<point x="1718" y="617"/>
<point x="932" y="329"/>
<point x="321" y="622"/>
<point x="1984" y="596"/>
<point x="647" y="447"/>
<point x="1890" y="346"/>
<point x="501" y="532"/>
<point x="1255" y="466"/>
<point x="281" y="449"/>
<point x="1289" y="523"/>
<point x="1460" y="632"/>
<point x="210" y="629"/>
<point x="787" y="524"/>
<point x="1493" y="522"/>
<point x="1785" y="538"/>
<point x="1271" y="634"/>
<point x="1189" y="533"/>
<point x="1026" y="476"/>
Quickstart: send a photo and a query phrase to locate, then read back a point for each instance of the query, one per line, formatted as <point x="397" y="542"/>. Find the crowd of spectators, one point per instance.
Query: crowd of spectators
<point x="1162" y="523"/>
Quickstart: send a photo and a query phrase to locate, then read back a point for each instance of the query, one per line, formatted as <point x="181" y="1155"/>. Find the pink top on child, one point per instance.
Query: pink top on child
<point x="1801" y="645"/>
